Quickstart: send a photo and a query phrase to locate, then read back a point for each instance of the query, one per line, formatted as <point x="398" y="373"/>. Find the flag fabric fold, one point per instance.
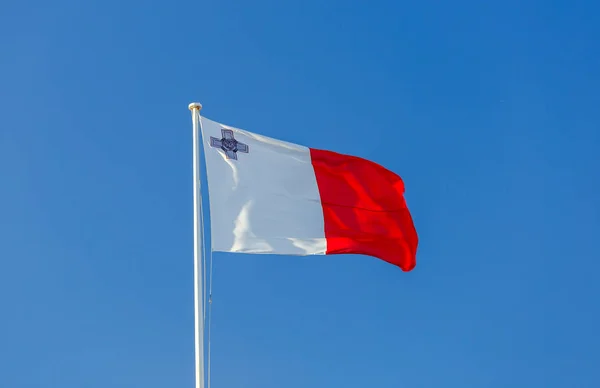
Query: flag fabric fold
<point x="269" y="196"/>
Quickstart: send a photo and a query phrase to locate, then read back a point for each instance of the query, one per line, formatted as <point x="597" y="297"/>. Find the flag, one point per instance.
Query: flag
<point x="269" y="196"/>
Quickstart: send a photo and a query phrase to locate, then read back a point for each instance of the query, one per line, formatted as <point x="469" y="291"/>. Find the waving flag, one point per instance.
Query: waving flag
<point x="273" y="197"/>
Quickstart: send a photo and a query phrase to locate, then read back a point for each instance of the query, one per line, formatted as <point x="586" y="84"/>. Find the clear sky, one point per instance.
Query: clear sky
<point x="488" y="110"/>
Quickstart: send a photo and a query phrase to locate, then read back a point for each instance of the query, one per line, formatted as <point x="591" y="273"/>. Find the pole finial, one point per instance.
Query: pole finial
<point x="195" y="105"/>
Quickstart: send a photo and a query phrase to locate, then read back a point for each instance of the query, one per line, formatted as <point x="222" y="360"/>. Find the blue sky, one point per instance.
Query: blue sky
<point x="488" y="110"/>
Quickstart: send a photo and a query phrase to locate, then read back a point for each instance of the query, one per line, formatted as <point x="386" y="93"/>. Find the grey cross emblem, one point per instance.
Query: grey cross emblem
<point x="228" y="144"/>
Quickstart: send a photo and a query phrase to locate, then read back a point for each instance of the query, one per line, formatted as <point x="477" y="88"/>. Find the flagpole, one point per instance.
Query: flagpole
<point x="198" y="295"/>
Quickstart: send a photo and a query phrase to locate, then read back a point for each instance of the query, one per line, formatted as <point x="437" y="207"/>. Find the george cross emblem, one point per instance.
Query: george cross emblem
<point x="229" y="144"/>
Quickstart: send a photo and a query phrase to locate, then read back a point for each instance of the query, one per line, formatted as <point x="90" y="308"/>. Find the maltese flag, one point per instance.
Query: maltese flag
<point x="268" y="196"/>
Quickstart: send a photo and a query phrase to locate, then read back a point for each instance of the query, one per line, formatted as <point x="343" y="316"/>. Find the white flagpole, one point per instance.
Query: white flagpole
<point x="198" y="294"/>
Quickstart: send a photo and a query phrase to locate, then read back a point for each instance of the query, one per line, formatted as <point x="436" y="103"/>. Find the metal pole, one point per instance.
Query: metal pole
<point x="198" y="251"/>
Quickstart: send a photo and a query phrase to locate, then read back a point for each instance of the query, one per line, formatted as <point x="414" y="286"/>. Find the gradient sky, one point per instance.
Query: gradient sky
<point x="488" y="110"/>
